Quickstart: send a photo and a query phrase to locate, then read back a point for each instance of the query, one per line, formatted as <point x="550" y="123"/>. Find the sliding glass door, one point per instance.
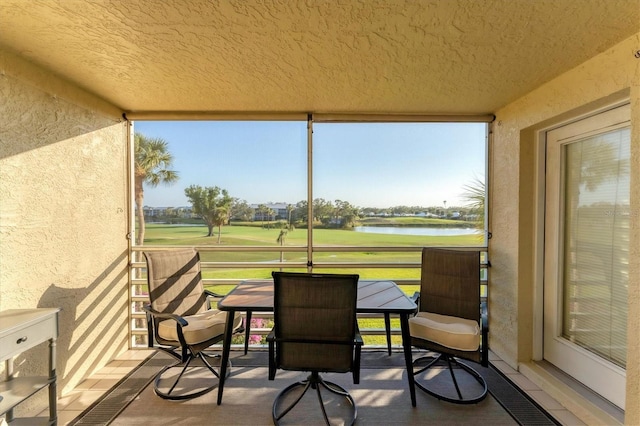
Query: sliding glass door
<point x="587" y="251"/>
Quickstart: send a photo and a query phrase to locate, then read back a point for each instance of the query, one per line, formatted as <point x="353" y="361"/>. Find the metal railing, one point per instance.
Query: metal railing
<point x="407" y="277"/>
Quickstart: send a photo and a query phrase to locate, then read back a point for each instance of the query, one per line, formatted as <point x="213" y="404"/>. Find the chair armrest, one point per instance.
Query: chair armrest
<point x="180" y="320"/>
<point x="358" y="339"/>
<point x="212" y="294"/>
<point x="484" y="324"/>
<point x="271" y="337"/>
<point x="484" y="317"/>
<point x="416" y="299"/>
<point x="356" y="359"/>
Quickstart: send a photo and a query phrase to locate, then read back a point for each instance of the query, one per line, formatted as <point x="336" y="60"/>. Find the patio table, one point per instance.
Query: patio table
<point x="374" y="297"/>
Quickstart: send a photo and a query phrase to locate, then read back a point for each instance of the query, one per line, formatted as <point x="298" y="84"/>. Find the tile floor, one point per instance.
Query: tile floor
<point x="87" y="392"/>
<point x="559" y="412"/>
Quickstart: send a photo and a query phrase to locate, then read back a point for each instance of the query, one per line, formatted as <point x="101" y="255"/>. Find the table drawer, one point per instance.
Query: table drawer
<point x="25" y="338"/>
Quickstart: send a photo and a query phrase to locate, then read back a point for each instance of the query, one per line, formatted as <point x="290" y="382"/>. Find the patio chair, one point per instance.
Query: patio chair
<point x="451" y="323"/>
<point x="315" y="330"/>
<point x="180" y="320"/>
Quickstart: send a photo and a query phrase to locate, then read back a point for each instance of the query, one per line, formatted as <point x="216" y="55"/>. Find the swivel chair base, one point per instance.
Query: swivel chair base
<point x="158" y="389"/>
<point x="450" y="361"/>
<point x="314" y="381"/>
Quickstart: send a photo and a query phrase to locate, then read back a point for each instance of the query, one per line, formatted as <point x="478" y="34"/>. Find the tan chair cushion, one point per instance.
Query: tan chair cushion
<point x="202" y="326"/>
<point x="451" y="332"/>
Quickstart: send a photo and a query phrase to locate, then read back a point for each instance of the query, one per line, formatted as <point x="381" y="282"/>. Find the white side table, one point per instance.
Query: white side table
<point x="20" y="330"/>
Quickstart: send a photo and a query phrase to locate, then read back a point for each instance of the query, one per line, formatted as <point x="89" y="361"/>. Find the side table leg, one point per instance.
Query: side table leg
<point x="53" y="387"/>
<point x="8" y="371"/>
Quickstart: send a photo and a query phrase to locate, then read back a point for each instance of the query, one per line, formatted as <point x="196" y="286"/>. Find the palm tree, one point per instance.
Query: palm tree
<point x="281" y="240"/>
<point x="262" y="209"/>
<point x="152" y="163"/>
<point x="220" y="217"/>
<point x="475" y="195"/>
<point x="290" y="209"/>
<point x="271" y="214"/>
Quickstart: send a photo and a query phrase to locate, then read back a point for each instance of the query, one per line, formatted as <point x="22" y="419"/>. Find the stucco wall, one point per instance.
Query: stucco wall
<point x="63" y="219"/>
<point x="513" y="202"/>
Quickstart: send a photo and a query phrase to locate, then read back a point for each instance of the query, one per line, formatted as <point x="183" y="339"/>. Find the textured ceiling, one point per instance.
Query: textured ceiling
<point x="382" y="56"/>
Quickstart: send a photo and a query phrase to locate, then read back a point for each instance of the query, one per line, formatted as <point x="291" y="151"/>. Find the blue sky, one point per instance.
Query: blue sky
<point x="366" y="164"/>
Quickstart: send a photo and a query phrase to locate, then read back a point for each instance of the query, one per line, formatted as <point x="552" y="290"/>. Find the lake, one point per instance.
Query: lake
<point x="440" y="232"/>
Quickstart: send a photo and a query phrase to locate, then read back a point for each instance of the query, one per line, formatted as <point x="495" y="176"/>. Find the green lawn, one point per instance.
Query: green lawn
<point x="251" y="235"/>
<point x="242" y="235"/>
<point x="235" y="235"/>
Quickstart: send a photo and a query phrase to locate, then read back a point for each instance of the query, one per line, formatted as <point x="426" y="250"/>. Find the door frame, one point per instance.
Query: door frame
<point x="540" y="131"/>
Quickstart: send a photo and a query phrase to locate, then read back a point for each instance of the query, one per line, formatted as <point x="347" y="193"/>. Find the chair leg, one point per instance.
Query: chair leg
<point x="169" y="394"/>
<point x="463" y="366"/>
<point x="453" y="378"/>
<point x="247" y="331"/>
<point x="387" y="326"/>
<point x="314" y="381"/>
<point x="277" y="417"/>
<point x="186" y="365"/>
<point x="338" y="390"/>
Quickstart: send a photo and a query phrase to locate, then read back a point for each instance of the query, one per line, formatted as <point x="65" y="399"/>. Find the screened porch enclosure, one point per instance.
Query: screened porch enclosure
<point x="337" y="195"/>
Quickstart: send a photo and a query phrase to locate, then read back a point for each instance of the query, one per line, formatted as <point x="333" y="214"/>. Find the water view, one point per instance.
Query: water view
<point x="431" y="231"/>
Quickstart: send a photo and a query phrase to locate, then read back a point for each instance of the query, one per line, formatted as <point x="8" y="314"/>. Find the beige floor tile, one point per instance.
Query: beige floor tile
<point x="111" y="372"/>
<point x="105" y="384"/>
<point x="135" y="355"/>
<point x="493" y="356"/>
<point x="111" y="368"/>
<point x="504" y="367"/>
<point x="65" y="400"/>
<point x="545" y="400"/>
<point x="85" y="399"/>
<point x="43" y="413"/>
<point x="124" y="369"/>
<point x="86" y="384"/>
<point x="566" y="417"/>
<point x="129" y="363"/>
<point x="103" y="376"/>
<point x="66" y="416"/>
<point x="523" y="383"/>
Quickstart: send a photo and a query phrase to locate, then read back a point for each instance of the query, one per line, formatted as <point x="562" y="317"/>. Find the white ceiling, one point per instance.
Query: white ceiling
<point x="378" y="56"/>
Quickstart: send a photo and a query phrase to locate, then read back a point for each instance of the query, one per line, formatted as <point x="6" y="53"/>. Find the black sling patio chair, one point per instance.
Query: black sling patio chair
<point x="315" y="330"/>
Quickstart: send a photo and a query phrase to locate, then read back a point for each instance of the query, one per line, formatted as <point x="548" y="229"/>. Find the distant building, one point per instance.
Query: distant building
<point x="279" y="211"/>
<point x="162" y="212"/>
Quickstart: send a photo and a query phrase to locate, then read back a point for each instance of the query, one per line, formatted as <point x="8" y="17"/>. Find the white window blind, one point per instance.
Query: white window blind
<point x="596" y="251"/>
